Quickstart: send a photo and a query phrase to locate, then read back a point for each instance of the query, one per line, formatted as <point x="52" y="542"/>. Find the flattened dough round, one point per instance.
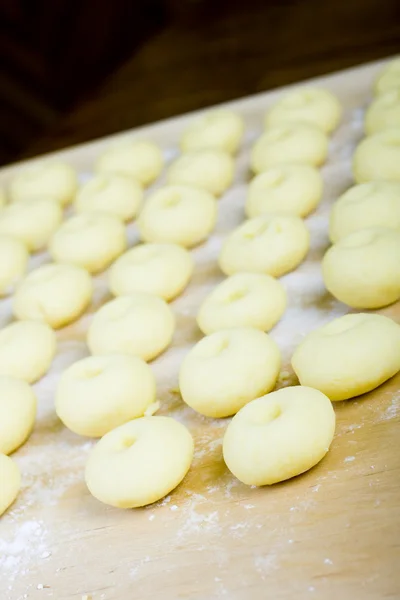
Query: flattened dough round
<point x="10" y="482"/>
<point x="140" y="159"/>
<point x="378" y="157"/>
<point x="54" y="180"/>
<point x="389" y="78"/>
<point x="215" y="130"/>
<point x="17" y="413"/>
<point x="210" y="170"/>
<point x="383" y="113"/>
<point x="14" y="258"/>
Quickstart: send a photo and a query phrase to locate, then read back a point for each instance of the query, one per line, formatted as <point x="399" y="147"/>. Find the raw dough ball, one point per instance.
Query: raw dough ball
<point x="55" y="294"/>
<point x="363" y="268"/>
<point x="289" y="143"/>
<point x="3" y="198"/>
<point x="279" y="436"/>
<point x="383" y="113"/>
<point x="295" y="189"/>
<point x="178" y="214"/>
<point x="372" y="204"/>
<point x="139" y="462"/>
<point x="160" y="269"/>
<point x="378" y="157"/>
<point x="243" y="300"/>
<point x="13" y="262"/>
<point x="32" y="221"/>
<point x="389" y="79"/>
<point x="26" y="350"/>
<point x="210" y="170"/>
<point x="98" y="393"/>
<point x="218" y="129"/>
<point x="271" y="243"/>
<point x="91" y="241"/>
<point x="117" y="195"/>
<point x="17" y="413"/>
<point x="140" y="159"/>
<point x="57" y="181"/>
<point x="227" y="369"/>
<point x="310" y="105"/>
<point x="10" y="482"/>
<point x="140" y="324"/>
<point x="349" y="356"/>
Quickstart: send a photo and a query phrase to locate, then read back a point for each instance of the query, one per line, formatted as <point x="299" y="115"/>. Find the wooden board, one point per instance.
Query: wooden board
<point x="331" y="533"/>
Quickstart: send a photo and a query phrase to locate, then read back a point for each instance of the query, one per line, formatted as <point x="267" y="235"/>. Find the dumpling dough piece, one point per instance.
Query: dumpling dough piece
<point x="279" y="436"/>
<point x="3" y="198"/>
<point x="55" y="294"/>
<point x="141" y="324"/>
<point x="227" y="369"/>
<point x="91" y="241"/>
<point x="26" y="350"/>
<point x="111" y="193"/>
<point x="349" y="356"/>
<point x="54" y="180"/>
<point x="10" y="482"/>
<point x="243" y="300"/>
<point x="389" y="79"/>
<point x="294" y="189"/>
<point x="363" y="268"/>
<point x="32" y="221"/>
<point x="98" y="393"/>
<point x="372" y="204"/>
<point x="160" y="269"/>
<point x="17" y="413"/>
<point x="140" y="159"/>
<point x="216" y="130"/>
<point x="140" y="462"/>
<point x="310" y="105"/>
<point x="383" y="113"/>
<point x="210" y="170"/>
<point x="378" y="157"/>
<point x="289" y="143"/>
<point x="178" y="214"/>
<point x="14" y="258"/>
<point x="271" y="243"/>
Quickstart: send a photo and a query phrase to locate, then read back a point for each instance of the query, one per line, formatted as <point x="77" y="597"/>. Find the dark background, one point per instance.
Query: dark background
<point x="75" y="70"/>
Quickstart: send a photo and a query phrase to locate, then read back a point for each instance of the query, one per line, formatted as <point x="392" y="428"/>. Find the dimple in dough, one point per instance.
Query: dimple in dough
<point x="26" y="350"/>
<point x="389" y="78"/>
<point x="378" y="157"/>
<point x="140" y="159"/>
<point x="91" y="241"/>
<point x="383" y="113"/>
<point x="289" y="143"/>
<point x="363" y="268"/>
<point x="54" y="180"/>
<point x="178" y="214"/>
<point x="218" y="129"/>
<point x="310" y="105"/>
<point x="14" y="258"/>
<point x="349" y="356"/>
<point x="98" y="393"/>
<point x="227" y="369"/>
<point x="55" y="294"/>
<point x="243" y="300"/>
<point x="10" y="482"/>
<point x="272" y="243"/>
<point x="17" y="413"/>
<point x="210" y="170"/>
<point x="293" y="189"/>
<point x="111" y="193"/>
<point x="140" y="324"/>
<point x="371" y="204"/>
<point x="140" y="462"/>
<point x="160" y="269"/>
<point x="279" y="436"/>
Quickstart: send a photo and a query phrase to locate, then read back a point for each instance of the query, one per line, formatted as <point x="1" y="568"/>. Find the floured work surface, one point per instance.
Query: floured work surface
<point x="331" y="533"/>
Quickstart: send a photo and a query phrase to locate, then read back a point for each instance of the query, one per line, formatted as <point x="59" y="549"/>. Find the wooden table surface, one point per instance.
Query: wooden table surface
<point x="330" y="533"/>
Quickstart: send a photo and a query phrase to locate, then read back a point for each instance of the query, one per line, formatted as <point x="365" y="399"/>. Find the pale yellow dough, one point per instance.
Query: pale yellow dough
<point x="3" y="198"/>
<point x="378" y="157"/>
<point x="55" y="294"/>
<point x="383" y="113"/>
<point x="160" y="269"/>
<point x="389" y="78"/>
<point x="294" y="189"/>
<point x="111" y="193"/>
<point x="140" y="159"/>
<point x="219" y="129"/>
<point x="210" y="170"/>
<point x="54" y="180"/>
<point x="139" y="462"/>
<point x="349" y="356"/>
<point x="227" y="369"/>
<point x="14" y="258"/>
<point x="26" y="350"/>
<point x="372" y="204"/>
<point x="272" y="243"/>
<point x="17" y="413"/>
<point x="243" y="300"/>
<point x="178" y="214"/>
<point x="140" y="324"/>
<point x="10" y="482"/>
<point x="98" y="393"/>
<point x="363" y="268"/>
